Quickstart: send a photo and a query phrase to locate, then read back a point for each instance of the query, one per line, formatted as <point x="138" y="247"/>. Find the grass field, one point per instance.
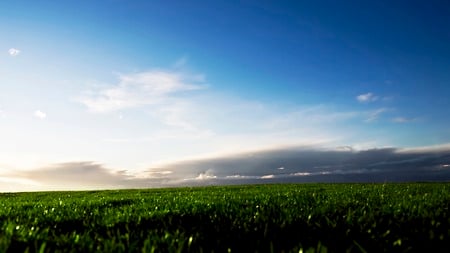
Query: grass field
<point x="265" y="218"/>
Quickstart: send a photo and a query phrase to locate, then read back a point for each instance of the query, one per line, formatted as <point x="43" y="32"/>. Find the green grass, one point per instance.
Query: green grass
<point x="265" y="218"/>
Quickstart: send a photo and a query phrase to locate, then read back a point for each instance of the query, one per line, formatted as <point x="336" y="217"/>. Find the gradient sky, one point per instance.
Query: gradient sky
<point x="135" y="85"/>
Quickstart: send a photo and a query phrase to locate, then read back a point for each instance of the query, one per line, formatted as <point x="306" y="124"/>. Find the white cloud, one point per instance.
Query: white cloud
<point x="153" y="87"/>
<point x="426" y="149"/>
<point x="366" y="98"/>
<point x="205" y="122"/>
<point x="314" y="115"/>
<point x="237" y="176"/>
<point x="181" y="62"/>
<point x="40" y="115"/>
<point x="402" y="120"/>
<point x="213" y="118"/>
<point x="14" y="51"/>
<point x="206" y="175"/>
<point x="158" y="173"/>
<point x="374" y="115"/>
<point x="174" y="115"/>
<point x="301" y="174"/>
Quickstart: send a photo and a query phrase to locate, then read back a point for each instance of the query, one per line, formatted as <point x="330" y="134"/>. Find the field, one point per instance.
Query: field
<point x="264" y="218"/>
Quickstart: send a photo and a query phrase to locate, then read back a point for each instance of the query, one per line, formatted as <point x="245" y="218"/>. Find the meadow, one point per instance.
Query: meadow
<point x="410" y="217"/>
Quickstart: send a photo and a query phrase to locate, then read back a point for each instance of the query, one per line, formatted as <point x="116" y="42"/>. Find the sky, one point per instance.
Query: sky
<point x="130" y="94"/>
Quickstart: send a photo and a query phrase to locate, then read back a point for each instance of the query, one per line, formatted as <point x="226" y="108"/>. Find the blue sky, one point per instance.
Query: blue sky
<point x="136" y="85"/>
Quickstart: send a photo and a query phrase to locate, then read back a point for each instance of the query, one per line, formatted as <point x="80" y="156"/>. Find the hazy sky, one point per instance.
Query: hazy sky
<point x="128" y="88"/>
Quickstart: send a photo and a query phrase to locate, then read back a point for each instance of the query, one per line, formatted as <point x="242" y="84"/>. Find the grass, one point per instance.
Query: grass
<point x="265" y="218"/>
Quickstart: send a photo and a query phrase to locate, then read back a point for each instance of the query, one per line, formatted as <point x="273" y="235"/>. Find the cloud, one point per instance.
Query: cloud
<point x="187" y="120"/>
<point x="301" y="164"/>
<point x="443" y="148"/>
<point x="216" y="122"/>
<point x="312" y="115"/>
<point x="12" y="183"/>
<point x="14" y="51"/>
<point x="181" y="62"/>
<point x="68" y="173"/>
<point x="402" y="120"/>
<point x="178" y="108"/>
<point x="88" y="175"/>
<point x="154" y="87"/>
<point x="375" y="115"/>
<point x="158" y="173"/>
<point x="366" y="98"/>
<point x="206" y="175"/>
<point x="320" y="165"/>
<point x="174" y="115"/>
<point x="39" y="114"/>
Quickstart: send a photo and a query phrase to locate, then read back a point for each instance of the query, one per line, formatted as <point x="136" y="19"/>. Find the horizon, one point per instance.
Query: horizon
<point x="117" y="94"/>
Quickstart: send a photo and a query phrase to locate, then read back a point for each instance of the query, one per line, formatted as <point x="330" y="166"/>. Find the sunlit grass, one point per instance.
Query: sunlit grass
<point x="267" y="218"/>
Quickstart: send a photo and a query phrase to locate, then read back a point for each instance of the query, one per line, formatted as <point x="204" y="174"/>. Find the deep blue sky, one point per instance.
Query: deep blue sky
<point x="201" y="78"/>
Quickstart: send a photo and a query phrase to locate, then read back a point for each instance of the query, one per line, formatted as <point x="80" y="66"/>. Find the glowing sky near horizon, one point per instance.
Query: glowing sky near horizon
<point x="135" y="85"/>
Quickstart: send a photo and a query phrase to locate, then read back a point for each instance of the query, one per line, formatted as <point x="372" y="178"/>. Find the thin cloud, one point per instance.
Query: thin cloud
<point x="67" y="173"/>
<point x="366" y="98"/>
<point x="181" y="62"/>
<point x="154" y="87"/>
<point x="375" y="115"/>
<point x="402" y="120"/>
<point x="179" y="107"/>
<point x="14" y="51"/>
<point x="443" y="148"/>
<point x="158" y="173"/>
<point x="88" y="175"/>
<point x="40" y="115"/>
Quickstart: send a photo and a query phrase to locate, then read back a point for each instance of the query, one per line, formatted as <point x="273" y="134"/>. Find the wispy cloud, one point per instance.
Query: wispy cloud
<point x="85" y="175"/>
<point x="158" y="173"/>
<point x="39" y="114"/>
<point x="76" y="172"/>
<point x="367" y="97"/>
<point x="220" y="121"/>
<point x="312" y="115"/>
<point x="403" y="120"/>
<point x="443" y="148"/>
<point x="14" y="51"/>
<point x="375" y="114"/>
<point x="152" y="87"/>
<point x="181" y="62"/>
<point x="181" y="108"/>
